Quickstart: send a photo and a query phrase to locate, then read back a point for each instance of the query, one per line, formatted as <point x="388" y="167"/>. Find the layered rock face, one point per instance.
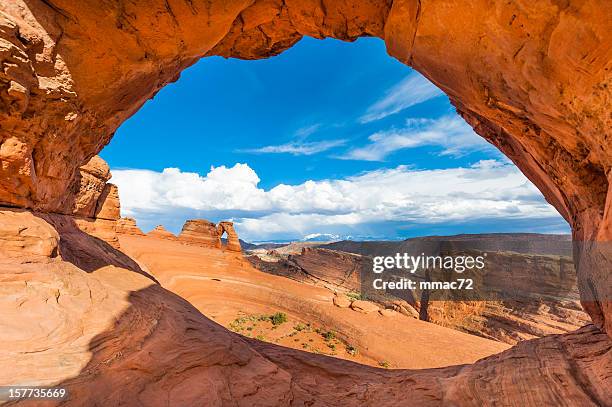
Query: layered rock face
<point x="100" y="327"/>
<point x="200" y="231"/>
<point x="128" y="226"/>
<point x="329" y="268"/>
<point x="546" y="299"/>
<point x="94" y="202"/>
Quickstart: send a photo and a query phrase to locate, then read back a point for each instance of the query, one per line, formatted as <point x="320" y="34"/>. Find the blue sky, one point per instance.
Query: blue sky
<point x="327" y="138"/>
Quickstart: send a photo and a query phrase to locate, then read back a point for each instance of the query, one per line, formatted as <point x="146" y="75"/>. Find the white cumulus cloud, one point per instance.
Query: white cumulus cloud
<point x="487" y="190"/>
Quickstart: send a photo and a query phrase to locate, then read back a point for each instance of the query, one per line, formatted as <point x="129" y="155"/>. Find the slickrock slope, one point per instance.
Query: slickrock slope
<point x="328" y="268"/>
<point x="82" y="315"/>
<point x="223" y="285"/>
<point x="112" y="336"/>
<point x="533" y="78"/>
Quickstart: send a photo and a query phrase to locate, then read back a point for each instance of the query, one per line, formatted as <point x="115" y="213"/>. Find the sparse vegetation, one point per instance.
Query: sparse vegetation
<point x="306" y="336"/>
<point x="384" y="364"/>
<point x="278" y="318"/>
<point x="354" y="296"/>
<point x="329" y="335"/>
<point x="351" y="350"/>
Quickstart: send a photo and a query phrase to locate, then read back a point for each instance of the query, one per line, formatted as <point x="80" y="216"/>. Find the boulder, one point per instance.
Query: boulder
<point x="342" y="301"/>
<point x="365" y="307"/>
<point x="24" y="235"/>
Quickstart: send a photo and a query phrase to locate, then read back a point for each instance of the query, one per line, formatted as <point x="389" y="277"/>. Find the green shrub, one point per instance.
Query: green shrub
<point x="329" y="335"/>
<point x="278" y="318"/>
<point x="355" y="296"/>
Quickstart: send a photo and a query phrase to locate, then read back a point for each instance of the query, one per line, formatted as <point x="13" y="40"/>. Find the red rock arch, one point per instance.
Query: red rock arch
<point x="532" y="78"/>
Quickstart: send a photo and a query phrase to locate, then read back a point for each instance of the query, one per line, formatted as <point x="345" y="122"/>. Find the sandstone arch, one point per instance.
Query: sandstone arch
<point x="233" y="243"/>
<point x="533" y="78"/>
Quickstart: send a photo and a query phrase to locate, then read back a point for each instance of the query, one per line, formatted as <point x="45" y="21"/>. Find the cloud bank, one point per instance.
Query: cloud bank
<point x="488" y="190"/>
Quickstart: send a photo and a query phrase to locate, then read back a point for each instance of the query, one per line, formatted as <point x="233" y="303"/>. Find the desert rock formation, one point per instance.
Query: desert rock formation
<point x="119" y="318"/>
<point x="206" y="233"/>
<point x="329" y="268"/>
<point x="200" y="231"/>
<point x="160" y="231"/>
<point x="544" y="299"/>
<point x="128" y="226"/>
<point x="532" y="78"/>
<point x="554" y="308"/>
<point x="233" y="242"/>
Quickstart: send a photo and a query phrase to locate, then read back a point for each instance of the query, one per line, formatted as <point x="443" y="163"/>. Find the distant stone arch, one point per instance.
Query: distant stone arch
<point x="233" y="243"/>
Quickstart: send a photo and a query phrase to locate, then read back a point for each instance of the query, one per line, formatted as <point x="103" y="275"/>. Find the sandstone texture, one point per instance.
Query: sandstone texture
<point x="206" y="233"/>
<point x="364" y="306"/>
<point x="550" y="304"/>
<point x="224" y="287"/>
<point x="200" y="231"/>
<point x="92" y="330"/>
<point x="334" y="269"/>
<point x="535" y="269"/>
<point x="233" y="242"/>
<point x="533" y="78"/>
<point x="23" y="234"/>
<point x="128" y="226"/>
<point x="342" y="301"/>
<point x="89" y="187"/>
<point x="160" y="232"/>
